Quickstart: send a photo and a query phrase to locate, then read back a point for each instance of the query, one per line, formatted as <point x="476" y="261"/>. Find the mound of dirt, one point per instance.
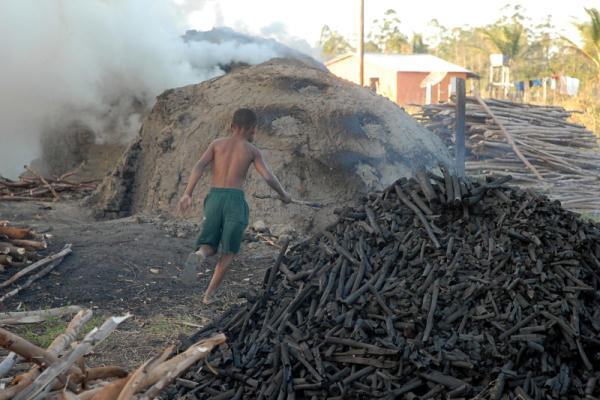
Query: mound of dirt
<point x="73" y="146"/>
<point x="325" y="138"/>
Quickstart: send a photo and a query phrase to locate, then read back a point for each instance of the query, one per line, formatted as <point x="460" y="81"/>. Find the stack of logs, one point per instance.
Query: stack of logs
<point x="564" y="156"/>
<point x="20" y="260"/>
<point x="33" y="186"/>
<point x="59" y="372"/>
<point x="19" y="246"/>
<point x="435" y="288"/>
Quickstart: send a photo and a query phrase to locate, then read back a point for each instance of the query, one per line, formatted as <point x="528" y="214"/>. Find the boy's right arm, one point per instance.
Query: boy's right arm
<point x="263" y="169"/>
<point x="186" y="200"/>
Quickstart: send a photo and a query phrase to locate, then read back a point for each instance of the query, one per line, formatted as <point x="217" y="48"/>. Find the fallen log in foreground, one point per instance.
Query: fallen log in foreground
<point x="59" y="371"/>
<point x="434" y="288"/>
<point x="32" y="317"/>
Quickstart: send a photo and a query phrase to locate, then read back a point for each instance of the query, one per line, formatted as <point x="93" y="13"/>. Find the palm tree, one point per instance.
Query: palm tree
<point x="590" y="33"/>
<point x="508" y="39"/>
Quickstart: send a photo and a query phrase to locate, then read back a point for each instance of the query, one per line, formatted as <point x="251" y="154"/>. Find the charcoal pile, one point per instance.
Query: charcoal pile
<point x="536" y="145"/>
<point x="33" y="186"/>
<point x="435" y="288"/>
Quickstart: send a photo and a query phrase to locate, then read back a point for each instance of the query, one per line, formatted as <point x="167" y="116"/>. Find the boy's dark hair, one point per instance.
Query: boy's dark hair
<point x="244" y="118"/>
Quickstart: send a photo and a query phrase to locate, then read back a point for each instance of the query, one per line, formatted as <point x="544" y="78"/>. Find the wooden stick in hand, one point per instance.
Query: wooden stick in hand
<point x="312" y="204"/>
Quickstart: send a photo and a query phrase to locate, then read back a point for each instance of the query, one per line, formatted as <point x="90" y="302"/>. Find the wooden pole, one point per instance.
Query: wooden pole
<point x="361" y="44"/>
<point x="459" y="147"/>
<point x="509" y="138"/>
<point x="491" y="82"/>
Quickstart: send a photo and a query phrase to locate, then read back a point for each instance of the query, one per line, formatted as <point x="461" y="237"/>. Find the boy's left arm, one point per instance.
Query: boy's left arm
<point x="186" y="200"/>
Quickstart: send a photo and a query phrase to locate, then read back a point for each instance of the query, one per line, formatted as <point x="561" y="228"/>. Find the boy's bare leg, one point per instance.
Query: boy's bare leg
<point x="217" y="277"/>
<point x="193" y="261"/>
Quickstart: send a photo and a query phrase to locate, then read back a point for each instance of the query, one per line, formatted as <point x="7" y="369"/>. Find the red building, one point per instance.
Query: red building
<point x="403" y="78"/>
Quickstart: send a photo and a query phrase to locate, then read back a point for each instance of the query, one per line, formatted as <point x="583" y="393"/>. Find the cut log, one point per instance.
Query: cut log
<point x="16" y="233"/>
<point x="63" y="365"/>
<point x="44" y="181"/>
<point x="60" y="344"/>
<point x="137" y="378"/>
<point x="109" y="371"/>
<point x="30" y="317"/>
<point x="30" y="244"/>
<point x="195" y="353"/>
<point x="11" y="249"/>
<point x="63" y="341"/>
<point x="25" y="349"/>
<point x="5" y="259"/>
<point x="110" y="391"/>
<point x="89" y="394"/>
<point x="142" y="378"/>
<point x="8" y="363"/>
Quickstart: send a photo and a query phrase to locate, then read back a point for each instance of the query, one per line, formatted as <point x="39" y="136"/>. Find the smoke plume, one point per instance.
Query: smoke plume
<point x="97" y="63"/>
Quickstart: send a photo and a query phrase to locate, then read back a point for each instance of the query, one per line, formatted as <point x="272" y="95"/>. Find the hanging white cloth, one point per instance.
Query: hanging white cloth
<point x="572" y="86"/>
<point x="569" y="85"/>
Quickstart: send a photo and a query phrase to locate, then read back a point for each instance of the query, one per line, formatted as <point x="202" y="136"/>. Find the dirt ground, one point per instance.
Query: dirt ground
<point x="127" y="265"/>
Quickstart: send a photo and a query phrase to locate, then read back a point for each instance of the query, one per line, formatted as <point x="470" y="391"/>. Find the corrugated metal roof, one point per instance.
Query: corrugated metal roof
<point x="409" y="63"/>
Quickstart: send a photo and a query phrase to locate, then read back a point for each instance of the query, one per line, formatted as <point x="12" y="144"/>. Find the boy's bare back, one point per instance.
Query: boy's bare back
<point x="232" y="158"/>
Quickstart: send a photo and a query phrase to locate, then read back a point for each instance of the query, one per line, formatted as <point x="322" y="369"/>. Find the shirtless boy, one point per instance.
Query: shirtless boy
<point x="225" y="208"/>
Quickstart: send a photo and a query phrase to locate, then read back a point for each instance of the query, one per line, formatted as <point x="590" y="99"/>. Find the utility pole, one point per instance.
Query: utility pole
<point x="361" y="44"/>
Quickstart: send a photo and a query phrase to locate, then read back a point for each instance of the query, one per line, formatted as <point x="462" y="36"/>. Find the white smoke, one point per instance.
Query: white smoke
<point x="279" y="32"/>
<point x="98" y="62"/>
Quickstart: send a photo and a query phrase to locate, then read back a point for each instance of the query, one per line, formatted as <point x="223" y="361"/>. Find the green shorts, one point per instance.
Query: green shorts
<point x="225" y="219"/>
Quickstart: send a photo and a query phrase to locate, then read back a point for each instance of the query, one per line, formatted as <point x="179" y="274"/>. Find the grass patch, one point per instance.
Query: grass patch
<point x="43" y="333"/>
<point x="594" y="217"/>
<point x="131" y="344"/>
<point x="94" y="322"/>
<point x="165" y="327"/>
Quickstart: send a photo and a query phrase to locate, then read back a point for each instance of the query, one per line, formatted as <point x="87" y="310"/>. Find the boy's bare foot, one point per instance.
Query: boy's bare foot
<point x="194" y="260"/>
<point x="209" y="299"/>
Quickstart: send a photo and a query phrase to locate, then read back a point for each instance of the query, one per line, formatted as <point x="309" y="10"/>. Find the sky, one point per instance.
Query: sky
<point x="304" y="19"/>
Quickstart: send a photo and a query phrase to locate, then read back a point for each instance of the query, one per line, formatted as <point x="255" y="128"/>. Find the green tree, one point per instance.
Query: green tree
<point x="511" y="36"/>
<point x="461" y="46"/>
<point x="510" y="39"/>
<point x="418" y="44"/>
<point x="332" y="43"/>
<point x="543" y="45"/>
<point x="371" y="47"/>
<point x="387" y="35"/>
<point x="590" y="34"/>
